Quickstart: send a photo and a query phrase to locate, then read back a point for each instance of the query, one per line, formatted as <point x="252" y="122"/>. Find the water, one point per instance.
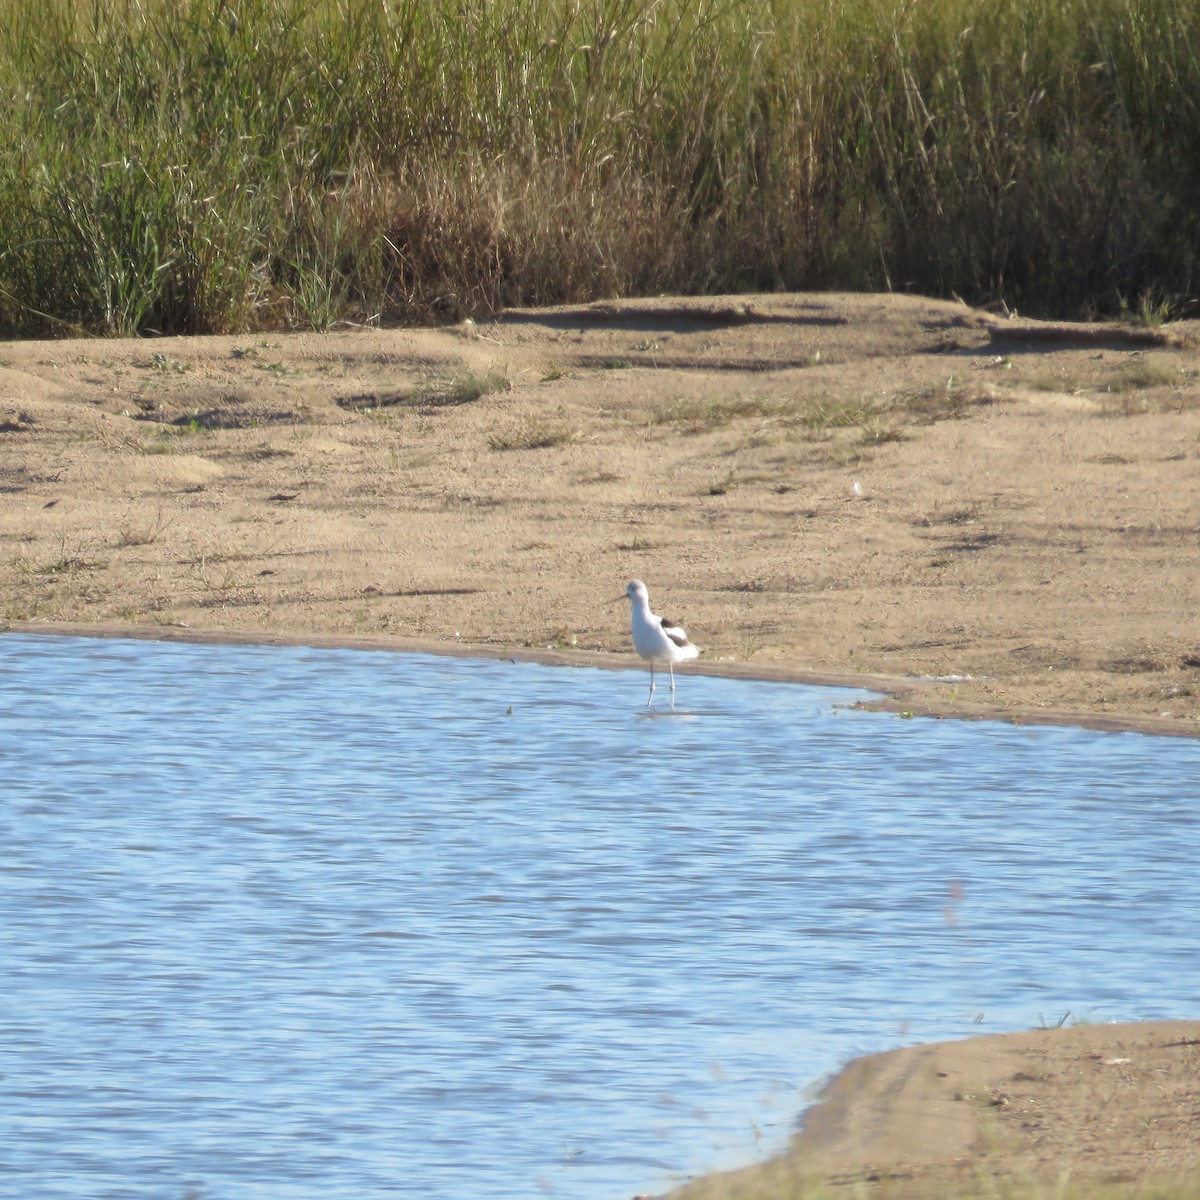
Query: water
<point x="298" y="923"/>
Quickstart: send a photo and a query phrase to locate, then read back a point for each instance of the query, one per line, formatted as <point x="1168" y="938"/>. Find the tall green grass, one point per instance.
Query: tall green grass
<point x="208" y="165"/>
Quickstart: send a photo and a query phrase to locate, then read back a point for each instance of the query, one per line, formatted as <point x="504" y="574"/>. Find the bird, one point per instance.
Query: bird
<point x="655" y="638"/>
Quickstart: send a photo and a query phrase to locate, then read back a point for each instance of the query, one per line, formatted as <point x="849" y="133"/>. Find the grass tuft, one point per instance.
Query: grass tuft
<point x="1143" y="373"/>
<point x="534" y="434"/>
<point x="466" y="388"/>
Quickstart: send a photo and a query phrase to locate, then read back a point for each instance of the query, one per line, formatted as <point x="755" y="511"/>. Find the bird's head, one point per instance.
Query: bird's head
<point x="636" y="590"/>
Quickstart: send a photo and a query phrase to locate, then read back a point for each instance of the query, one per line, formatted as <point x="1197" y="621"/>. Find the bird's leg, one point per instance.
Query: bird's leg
<point x="650" y="698"/>
<point x="672" y="666"/>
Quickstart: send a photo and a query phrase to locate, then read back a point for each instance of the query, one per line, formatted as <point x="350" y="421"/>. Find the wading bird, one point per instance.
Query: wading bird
<point x="655" y="638"/>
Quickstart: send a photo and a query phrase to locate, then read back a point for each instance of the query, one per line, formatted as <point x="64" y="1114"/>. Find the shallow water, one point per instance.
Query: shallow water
<point x="312" y="923"/>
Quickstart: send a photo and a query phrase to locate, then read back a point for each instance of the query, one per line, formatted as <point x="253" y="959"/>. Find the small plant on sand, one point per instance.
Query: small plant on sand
<point x="826" y="413"/>
<point x="534" y="433"/>
<point x="705" y="414"/>
<point x="464" y="388"/>
<point x="879" y="427"/>
<point x="1143" y="372"/>
<point x="67" y="561"/>
<point x="163" y="441"/>
<point x="722" y="486"/>
<point x="1152" y="308"/>
<point x="144" y="535"/>
<point x="166" y="364"/>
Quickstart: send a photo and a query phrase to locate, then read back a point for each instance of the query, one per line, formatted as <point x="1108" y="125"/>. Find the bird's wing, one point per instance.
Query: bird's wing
<point x="674" y="632"/>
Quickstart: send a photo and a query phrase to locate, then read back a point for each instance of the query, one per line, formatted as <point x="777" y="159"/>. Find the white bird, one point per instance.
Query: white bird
<point x="655" y="638"/>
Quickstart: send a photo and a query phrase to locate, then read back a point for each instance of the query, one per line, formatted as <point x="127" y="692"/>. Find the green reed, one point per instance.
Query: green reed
<point x="207" y="165"/>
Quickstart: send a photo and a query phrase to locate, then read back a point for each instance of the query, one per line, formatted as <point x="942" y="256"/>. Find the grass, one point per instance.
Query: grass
<point x="466" y="388"/>
<point x="697" y="415"/>
<point x="816" y="417"/>
<point x="722" y="486"/>
<point x="145" y="534"/>
<point x="1142" y="373"/>
<point x="814" y="413"/>
<point x="185" y="166"/>
<point x="534" y="433"/>
<point x="1146" y="384"/>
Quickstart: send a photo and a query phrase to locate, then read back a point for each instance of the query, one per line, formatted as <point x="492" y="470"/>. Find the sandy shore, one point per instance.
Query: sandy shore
<point x="1109" y="1110"/>
<point x="976" y="516"/>
<point x="981" y="516"/>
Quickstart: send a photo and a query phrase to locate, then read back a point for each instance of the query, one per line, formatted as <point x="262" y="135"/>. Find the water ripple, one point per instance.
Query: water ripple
<point x="296" y="923"/>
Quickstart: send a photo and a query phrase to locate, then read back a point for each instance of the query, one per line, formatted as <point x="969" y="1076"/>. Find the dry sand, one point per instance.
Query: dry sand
<point x="979" y="515"/>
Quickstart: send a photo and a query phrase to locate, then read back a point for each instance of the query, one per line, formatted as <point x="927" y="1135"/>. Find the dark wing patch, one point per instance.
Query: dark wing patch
<point x="674" y="632"/>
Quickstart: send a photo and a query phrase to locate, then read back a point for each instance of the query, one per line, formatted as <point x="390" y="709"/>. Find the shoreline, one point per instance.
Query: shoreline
<point x="1038" y="1110"/>
<point x="970" y="517"/>
<point x="982" y="518"/>
<point x="900" y="695"/>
